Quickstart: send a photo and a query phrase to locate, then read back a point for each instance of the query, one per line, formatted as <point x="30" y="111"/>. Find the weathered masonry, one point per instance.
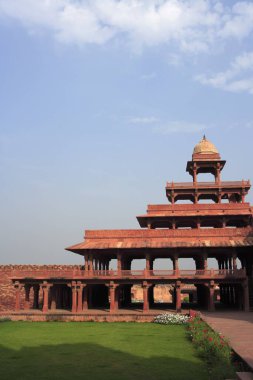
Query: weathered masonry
<point x="220" y="229"/>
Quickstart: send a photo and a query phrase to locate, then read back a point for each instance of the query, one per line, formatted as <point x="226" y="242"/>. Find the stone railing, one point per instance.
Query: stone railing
<point x="76" y="274"/>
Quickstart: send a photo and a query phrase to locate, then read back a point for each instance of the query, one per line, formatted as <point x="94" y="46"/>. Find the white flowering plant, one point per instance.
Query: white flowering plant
<point x="171" y="319"/>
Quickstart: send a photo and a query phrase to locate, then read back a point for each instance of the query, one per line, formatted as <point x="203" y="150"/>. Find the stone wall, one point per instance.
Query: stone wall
<point x="7" y="291"/>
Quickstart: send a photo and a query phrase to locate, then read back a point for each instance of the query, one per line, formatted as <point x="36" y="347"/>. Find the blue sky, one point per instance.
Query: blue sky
<point x="102" y="102"/>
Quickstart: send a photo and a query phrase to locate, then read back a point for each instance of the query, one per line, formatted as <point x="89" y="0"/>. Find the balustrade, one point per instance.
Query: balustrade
<point x="81" y="274"/>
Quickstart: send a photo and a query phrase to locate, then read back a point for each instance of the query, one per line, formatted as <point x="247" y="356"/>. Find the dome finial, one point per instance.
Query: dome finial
<point x="205" y="147"/>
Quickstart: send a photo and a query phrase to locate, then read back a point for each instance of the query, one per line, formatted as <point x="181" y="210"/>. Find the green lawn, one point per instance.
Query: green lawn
<point x="108" y="351"/>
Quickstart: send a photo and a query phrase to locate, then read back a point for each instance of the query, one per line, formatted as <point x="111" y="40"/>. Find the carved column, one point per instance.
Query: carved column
<point x="45" y="288"/>
<point x="86" y="267"/>
<point x="79" y="297"/>
<point x="194" y="173"/>
<point x="148" y="262"/>
<point x="119" y="263"/>
<point x="91" y="264"/>
<point x="178" y="296"/>
<point x="74" y="297"/>
<point x="145" y="287"/>
<point x="18" y="288"/>
<point x="175" y="263"/>
<point x="113" y="297"/>
<point x="217" y="174"/>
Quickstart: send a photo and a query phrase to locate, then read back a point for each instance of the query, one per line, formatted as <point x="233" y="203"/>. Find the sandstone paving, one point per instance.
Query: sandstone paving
<point x="237" y="327"/>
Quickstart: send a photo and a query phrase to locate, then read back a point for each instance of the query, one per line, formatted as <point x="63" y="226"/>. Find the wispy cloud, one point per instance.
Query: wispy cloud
<point x="192" y="26"/>
<point x="237" y="78"/>
<point x="179" y="127"/>
<point x="144" y="120"/>
<point x="167" y="127"/>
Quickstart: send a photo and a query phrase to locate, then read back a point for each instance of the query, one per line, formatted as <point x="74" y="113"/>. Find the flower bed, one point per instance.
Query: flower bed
<point x="171" y="319"/>
<point x="213" y="348"/>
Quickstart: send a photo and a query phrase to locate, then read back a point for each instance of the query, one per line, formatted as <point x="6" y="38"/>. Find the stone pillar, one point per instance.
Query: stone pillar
<point x="195" y="174"/>
<point x="119" y="263"/>
<point x="18" y="288"/>
<point x="148" y="262"/>
<point x="86" y="267"/>
<point x="74" y="297"/>
<point x="175" y="263"/>
<point x="178" y="296"/>
<point x="217" y="174"/>
<point x="45" y="287"/>
<point x="211" y="306"/>
<point x="36" y="290"/>
<point x="79" y="297"/>
<point x="145" y="287"/>
<point x="90" y="263"/>
<point x="113" y="297"/>
<point x="27" y="296"/>
<point x="245" y="286"/>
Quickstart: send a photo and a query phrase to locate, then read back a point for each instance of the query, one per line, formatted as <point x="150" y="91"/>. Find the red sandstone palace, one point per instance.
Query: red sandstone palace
<point x="220" y="229"/>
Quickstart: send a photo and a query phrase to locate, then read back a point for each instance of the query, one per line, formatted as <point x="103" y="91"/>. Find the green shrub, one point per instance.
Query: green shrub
<point x="213" y="348"/>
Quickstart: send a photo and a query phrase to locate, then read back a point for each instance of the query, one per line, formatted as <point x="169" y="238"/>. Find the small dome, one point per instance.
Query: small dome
<point x="205" y="147"/>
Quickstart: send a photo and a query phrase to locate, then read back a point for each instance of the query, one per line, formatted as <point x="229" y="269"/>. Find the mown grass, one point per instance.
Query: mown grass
<point x="108" y="351"/>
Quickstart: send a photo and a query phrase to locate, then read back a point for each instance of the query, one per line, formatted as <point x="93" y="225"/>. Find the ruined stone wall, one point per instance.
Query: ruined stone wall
<point x="7" y="291"/>
<point x="162" y="293"/>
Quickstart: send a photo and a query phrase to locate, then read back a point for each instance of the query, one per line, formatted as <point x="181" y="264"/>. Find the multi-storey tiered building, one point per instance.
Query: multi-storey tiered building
<point x="220" y="228"/>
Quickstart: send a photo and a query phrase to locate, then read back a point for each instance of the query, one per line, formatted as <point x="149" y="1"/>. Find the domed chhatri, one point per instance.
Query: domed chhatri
<point x="205" y="147"/>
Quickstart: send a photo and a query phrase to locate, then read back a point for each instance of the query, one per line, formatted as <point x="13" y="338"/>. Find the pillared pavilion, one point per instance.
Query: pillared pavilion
<point x="220" y="228"/>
